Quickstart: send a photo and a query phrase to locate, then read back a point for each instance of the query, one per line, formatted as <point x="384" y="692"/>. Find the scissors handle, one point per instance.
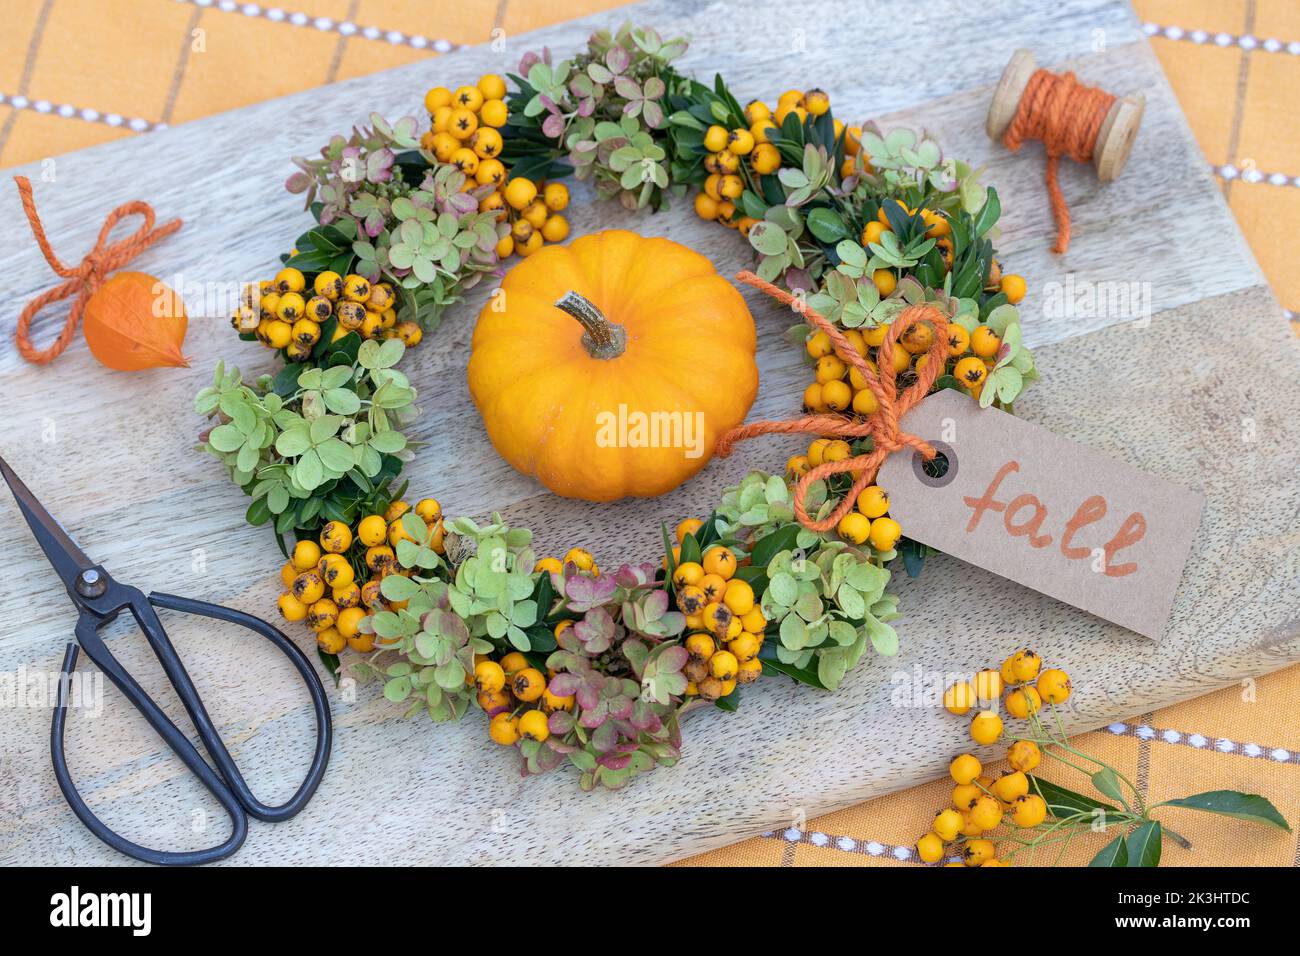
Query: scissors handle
<point x="86" y="631"/>
<point x="208" y="732"/>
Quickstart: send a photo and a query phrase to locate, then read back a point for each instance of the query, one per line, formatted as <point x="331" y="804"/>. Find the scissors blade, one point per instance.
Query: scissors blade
<point x="60" y="548"/>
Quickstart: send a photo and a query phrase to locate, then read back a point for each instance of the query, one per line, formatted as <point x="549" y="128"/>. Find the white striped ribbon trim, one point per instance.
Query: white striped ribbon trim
<point x="327" y="24"/>
<point x="845" y="844"/>
<point x="1252" y="175"/>
<point x="1245" y="41"/>
<point x="1201" y="742"/>
<point x="68" y="111"/>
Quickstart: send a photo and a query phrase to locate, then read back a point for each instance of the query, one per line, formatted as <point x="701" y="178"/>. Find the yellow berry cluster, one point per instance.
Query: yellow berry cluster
<point x="465" y="132"/>
<point x="725" y="626"/>
<point x="465" y="128"/>
<point x="515" y="695"/>
<point x="869" y="522"/>
<point x="980" y="803"/>
<point x="284" y="315"/>
<point x="324" y="588"/>
<point x="728" y="147"/>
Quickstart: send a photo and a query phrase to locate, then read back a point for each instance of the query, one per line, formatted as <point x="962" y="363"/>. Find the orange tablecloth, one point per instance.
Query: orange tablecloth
<point x="74" y="73"/>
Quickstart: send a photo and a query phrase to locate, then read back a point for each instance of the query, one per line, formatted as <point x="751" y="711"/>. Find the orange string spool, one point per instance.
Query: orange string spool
<point x="1070" y="119"/>
<point x="83" y="279"/>
<point x="882" y="425"/>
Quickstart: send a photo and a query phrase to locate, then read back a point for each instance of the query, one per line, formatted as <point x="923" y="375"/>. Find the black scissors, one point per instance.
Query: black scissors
<point x="99" y="600"/>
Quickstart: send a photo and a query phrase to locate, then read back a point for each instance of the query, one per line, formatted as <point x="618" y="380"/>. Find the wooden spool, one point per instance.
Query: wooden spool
<point x="1114" y="139"/>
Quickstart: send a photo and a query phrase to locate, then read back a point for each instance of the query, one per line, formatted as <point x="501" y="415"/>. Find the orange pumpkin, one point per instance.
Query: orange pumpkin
<point x="609" y="367"/>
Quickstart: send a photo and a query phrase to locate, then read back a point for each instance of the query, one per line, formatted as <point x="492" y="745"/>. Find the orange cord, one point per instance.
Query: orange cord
<point x="82" y="281"/>
<point x="1066" y="116"/>
<point x="882" y="425"/>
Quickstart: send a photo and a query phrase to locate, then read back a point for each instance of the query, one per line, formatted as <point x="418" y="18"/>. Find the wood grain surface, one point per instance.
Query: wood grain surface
<point x="1203" y="394"/>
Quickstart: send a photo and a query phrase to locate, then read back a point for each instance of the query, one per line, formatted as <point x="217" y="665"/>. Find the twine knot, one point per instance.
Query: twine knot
<point x="83" y="279"/>
<point x="882" y="426"/>
<point x="1067" y="117"/>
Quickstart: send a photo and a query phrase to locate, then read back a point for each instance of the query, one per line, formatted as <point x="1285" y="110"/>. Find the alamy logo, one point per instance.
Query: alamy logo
<point x="627" y="428"/>
<point x="74" y="908"/>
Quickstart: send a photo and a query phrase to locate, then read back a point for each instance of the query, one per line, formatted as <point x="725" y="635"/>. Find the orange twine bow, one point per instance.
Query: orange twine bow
<point x="1067" y="116"/>
<point x="82" y="281"/>
<point x="882" y="426"/>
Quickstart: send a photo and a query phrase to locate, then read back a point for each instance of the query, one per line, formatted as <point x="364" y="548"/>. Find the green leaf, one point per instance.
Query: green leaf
<point x="1065" y="803"/>
<point x="1114" y="853"/>
<point x="1143" y="844"/>
<point x="1107" y="784"/>
<point x="1233" y="803"/>
<point x="782" y="539"/>
<point x="827" y="225"/>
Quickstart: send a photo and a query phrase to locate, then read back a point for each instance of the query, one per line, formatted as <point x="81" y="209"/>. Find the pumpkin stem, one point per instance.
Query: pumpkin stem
<point x="603" y="339"/>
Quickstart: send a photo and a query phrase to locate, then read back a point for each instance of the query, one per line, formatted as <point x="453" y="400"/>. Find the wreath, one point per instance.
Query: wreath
<point x="881" y="245"/>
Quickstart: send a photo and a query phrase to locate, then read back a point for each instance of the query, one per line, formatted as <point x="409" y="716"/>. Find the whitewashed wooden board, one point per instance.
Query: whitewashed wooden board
<point x="1204" y="395"/>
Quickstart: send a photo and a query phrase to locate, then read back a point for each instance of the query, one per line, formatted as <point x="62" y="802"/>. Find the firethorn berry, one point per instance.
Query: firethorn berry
<point x="1022" y="702"/>
<point x="1007" y="670"/>
<point x="349" y="621"/>
<point x="1025" y="664"/>
<point x="331" y="641"/>
<point x="765" y="159"/>
<point x="865" y="402"/>
<point x="528" y="684"/>
<point x="688" y="574"/>
<point x="291" y="607"/>
<point x="971" y="372"/>
<point x="1010" y="785"/>
<point x="830" y="368"/>
<point x="873" y="502"/>
<point x="988" y="685"/>
<point x="744" y="648"/>
<point x="288" y="573"/>
<point x="872" y="232"/>
<point x="336" y="537"/>
<point x="720" y="561"/>
<point x="986" y="727"/>
<point x="947" y="824"/>
<point x="370" y="595"/>
<point x="930" y="848"/>
<point x="837" y="396"/>
<point x="965" y="768"/>
<point x="977" y="852"/>
<point x="816" y="102"/>
<point x="1014" y="287"/>
<point x="555" y="196"/>
<point x="552" y="702"/>
<point x="986" y="812"/>
<point x="885" y="281"/>
<point x="306" y="554"/>
<point x="713" y="586"/>
<point x="372" y="530"/>
<point x="836" y="450"/>
<point x="738" y="596"/>
<point x="308" y="587"/>
<point x="533" y="726"/>
<point x="715" y="138"/>
<point x="723" y="664"/>
<point x="356" y="289"/>
<point x="347" y="596"/>
<point x="917" y="339"/>
<point x="687" y="526"/>
<point x="958" y="340"/>
<point x="493" y="704"/>
<point x="494" y="113"/>
<point x="380" y="558"/>
<point x="885" y="533"/>
<point x="555" y="229"/>
<point x="504" y="729"/>
<point x="720" y="621"/>
<point x="520" y="192"/>
<point x="1029" y="811"/>
<point x="984" y="342"/>
<point x="854" y="528"/>
<point x="324" y="613"/>
<point x="965" y="794"/>
<point x="580" y="557"/>
<point x="1054" y="685"/>
<point x="489" y="677"/>
<point x="1024" y="755"/>
<point x="959" y="698"/>
<point x="749" y="671"/>
<point x="700" y="646"/>
<point x="289" y="280"/>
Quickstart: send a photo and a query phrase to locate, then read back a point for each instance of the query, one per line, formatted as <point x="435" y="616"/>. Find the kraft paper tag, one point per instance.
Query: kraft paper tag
<point x="1045" y="512"/>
